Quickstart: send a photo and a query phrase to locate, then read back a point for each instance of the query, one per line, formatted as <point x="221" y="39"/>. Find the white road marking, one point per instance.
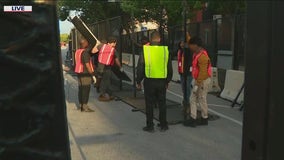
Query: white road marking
<point x="222" y="106"/>
<point x="226" y="117"/>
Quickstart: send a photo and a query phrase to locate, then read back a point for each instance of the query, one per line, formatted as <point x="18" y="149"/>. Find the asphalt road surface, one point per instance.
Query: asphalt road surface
<point x="115" y="132"/>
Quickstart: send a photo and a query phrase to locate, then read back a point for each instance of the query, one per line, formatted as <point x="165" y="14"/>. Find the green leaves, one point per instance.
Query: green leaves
<point x="226" y="7"/>
<point x="164" y="12"/>
<point x="64" y="38"/>
<point x="90" y="11"/>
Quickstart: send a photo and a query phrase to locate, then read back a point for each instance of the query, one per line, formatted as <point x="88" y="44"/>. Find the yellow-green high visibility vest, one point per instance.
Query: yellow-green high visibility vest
<point x="156" y="61"/>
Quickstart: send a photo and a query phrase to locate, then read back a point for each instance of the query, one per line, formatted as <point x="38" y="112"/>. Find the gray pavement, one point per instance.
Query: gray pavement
<point x="115" y="132"/>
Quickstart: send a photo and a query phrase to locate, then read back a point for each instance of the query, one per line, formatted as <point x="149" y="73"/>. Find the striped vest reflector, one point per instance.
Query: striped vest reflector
<point x="79" y="67"/>
<point x="156" y="61"/>
<point x="106" y="55"/>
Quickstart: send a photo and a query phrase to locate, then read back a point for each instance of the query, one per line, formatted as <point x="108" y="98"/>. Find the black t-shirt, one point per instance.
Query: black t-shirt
<point x="86" y="56"/>
<point x="187" y="61"/>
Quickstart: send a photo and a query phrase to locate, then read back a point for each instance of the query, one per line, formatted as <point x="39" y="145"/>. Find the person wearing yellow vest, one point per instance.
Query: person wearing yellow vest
<point x="155" y="68"/>
<point x="201" y="73"/>
<point x="85" y="70"/>
<point x="108" y="56"/>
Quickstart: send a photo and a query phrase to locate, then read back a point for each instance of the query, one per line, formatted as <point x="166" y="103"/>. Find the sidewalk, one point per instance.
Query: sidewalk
<point x="115" y="132"/>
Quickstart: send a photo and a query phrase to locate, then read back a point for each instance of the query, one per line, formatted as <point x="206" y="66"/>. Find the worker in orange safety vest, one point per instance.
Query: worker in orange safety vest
<point x="85" y="70"/>
<point x="108" y="56"/>
<point x="201" y="73"/>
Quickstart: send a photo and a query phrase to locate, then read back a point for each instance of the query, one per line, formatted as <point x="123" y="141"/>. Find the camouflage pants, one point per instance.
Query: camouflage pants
<point x="200" y="97"/>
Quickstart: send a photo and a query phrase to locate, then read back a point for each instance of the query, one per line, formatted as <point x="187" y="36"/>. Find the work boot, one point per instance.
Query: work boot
<point x="111" y="97"/>
<point x="164" y="128"/>
<point x="148" y="129"/>
<point x="86" y="108"/>
<point x="104" y="98"/>
<point x="190" y="122"/>
<point x="202" y="122"/>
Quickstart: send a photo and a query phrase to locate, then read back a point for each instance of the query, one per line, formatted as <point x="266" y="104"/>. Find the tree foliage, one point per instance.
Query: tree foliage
<point x="89" y="11"/>
<point x="227" y="7"/>
<point x="163" y="12"/>
<point x="64" y="38"/>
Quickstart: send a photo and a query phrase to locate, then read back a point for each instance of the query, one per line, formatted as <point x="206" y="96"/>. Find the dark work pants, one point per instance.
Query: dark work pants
<point x="84" y="83"/>
<point x="155" y="92"/>
<point x="186" y="91"/>
<point x="105" y="85"/>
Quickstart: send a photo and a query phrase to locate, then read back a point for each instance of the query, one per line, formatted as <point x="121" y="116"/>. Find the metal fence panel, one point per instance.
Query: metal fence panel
<point x="223" y="38"/>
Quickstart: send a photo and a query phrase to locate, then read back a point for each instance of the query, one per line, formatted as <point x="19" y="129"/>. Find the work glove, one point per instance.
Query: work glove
<point x="94" y="79"/>
<point x="139" y="86"/>
<point x="195" y="88"/>
<point x="121" y="69"/>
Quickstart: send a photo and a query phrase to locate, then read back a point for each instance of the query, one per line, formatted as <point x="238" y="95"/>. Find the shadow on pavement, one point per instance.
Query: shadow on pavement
<point x="174" y="109"/>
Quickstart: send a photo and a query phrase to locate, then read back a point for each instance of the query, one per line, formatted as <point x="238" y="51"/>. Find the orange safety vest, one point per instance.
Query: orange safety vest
<point x="79" y="68"/>
<point x="106" y="55"/>
<point x="195" y="68"/>
<point x="180" y="61"/>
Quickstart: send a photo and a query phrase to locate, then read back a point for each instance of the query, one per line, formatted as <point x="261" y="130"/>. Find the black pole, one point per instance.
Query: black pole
<point x="215" y="40"/>
<point x="184" y="74"/>
<point x="120" y="57"/>
<point x="235" y="48"/>
<point x="184" y="23"/>
<point x="134" y="68"/>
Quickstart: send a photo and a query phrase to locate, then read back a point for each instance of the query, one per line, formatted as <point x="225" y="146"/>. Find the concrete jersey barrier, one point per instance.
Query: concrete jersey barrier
<point x="127" y="59"/>
<point x="214" y="86"/>
<point x="233" y="83"/>
<point x="176" y="75"/>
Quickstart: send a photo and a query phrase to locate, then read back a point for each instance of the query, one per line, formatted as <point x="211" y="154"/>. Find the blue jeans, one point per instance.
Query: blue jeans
<point x="186" y="91"/>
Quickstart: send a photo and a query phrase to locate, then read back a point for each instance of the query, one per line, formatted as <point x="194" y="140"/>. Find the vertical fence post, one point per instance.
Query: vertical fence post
<point x="215" y="41"/>
<point x="236" y="40"/>
<point x="120" y="52"/>
<point x="134" y="68"/>
<point x="233" y="39"/>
